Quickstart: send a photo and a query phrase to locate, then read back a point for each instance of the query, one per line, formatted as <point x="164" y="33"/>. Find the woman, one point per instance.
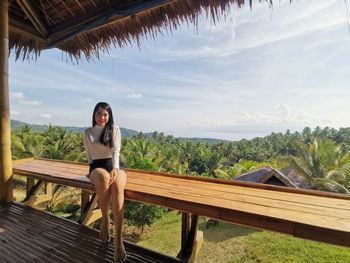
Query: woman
<point x="102" y="144"/>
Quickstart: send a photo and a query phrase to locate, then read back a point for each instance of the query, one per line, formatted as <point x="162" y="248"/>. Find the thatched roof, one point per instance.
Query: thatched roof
<point x="299" y="180"/>
<point x="266" y="175"/>
<point x="85" y="28"/>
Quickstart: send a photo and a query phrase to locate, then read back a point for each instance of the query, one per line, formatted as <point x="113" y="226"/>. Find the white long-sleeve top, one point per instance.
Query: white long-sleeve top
<point x="95" y="150"/>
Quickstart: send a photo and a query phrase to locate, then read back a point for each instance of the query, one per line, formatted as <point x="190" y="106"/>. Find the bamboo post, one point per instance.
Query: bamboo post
<point x="6" y="191"/>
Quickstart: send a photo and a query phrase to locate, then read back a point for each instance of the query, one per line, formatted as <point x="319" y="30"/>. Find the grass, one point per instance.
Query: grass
<point x="164" y="235"/>
<point x="228" y="243"/>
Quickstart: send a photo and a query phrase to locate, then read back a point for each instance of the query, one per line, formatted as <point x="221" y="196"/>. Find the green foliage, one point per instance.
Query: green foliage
<point x="220" y="160"/>
<point x="142" y="163"/>
<point x="326" y="164"/>
<point x="26" y="143"/>
<point x="141" y="215"/>
<point x="54" y="143"/>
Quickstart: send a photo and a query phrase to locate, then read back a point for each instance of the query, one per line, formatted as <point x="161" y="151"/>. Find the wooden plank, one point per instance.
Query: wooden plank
<point x="227" y="183"/>
<point x="286" y="196"/>
<point x="264" y="199"/>
<point x="30" y="235"/>
<point x="327" y="221"/>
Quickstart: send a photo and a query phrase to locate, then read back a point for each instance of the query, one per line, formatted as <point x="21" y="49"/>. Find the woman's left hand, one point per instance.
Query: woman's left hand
<point x="114" y="174"/>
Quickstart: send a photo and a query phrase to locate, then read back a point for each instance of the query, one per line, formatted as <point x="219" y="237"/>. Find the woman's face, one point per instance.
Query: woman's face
<point x="101" y="117"/>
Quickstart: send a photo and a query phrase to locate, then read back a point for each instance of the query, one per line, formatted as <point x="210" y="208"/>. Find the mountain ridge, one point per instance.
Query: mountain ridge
<point x="125" y="132"/>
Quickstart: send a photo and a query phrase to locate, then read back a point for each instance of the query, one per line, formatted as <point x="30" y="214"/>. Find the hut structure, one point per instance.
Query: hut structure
<point x="266" y="175"/>
<point x="300" y="181"/>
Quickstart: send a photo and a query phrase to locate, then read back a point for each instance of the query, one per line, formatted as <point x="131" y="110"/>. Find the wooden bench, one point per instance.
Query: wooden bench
<point x="306" y="214"/>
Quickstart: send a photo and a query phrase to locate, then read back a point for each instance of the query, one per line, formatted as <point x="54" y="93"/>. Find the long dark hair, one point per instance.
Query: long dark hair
<point x="106" y="137"/>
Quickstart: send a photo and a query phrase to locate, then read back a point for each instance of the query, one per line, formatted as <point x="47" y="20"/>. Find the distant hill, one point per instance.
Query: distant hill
<point x="41" y="128"/>
<point x="15" y="124"/>
<point x="19" y="124"/>
<point x="203" y="140"/>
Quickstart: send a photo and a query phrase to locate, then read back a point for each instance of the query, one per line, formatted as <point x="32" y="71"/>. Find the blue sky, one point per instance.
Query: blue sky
<point x="255" y="72"/>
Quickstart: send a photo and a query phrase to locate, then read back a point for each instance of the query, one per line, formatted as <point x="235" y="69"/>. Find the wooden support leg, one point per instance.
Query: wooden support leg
<point x="184" y="230"/>
<point x="30" y="184"/>
<point x="191" y="238"/>
<point x="32" y="198"/>
<point x="89" y="213"/>
<point x="85" y="197"/>
<point x="48" y="189"/>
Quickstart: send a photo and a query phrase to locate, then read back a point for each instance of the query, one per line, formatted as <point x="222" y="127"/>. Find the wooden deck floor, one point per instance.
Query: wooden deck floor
<point x="28" y="235"/>
<point x="307" y="214"/>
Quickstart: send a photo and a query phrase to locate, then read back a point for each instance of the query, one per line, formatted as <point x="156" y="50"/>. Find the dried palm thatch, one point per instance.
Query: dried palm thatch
<point x="88" y="29"/>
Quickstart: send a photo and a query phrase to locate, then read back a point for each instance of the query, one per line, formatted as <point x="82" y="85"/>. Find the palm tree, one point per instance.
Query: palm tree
<point x="243" y="166"/>
<point x="26" y="143"/>
<point x="62" y="144"/>
<point x="138" y="150"/>
<point x="325" y="164"/>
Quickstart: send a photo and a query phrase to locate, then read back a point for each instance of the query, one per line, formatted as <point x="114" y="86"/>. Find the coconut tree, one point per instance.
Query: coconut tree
<point x="138" y="150"/>
<point x="325" y="164"/>
<point x="62" y="144"/>
<point x="26" y="143"/>
<point x="243" y="166"/>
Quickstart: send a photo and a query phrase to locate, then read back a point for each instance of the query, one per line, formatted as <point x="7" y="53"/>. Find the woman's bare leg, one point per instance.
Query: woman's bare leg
<point x="101" y="180"/>
<point x="117" y="188"/>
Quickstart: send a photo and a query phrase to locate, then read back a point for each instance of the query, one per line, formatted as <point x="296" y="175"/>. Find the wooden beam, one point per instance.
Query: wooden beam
<point x="185" y="228"/>
<point x="81" y="6"/>
<point x="33" y="15"/>
<point x="90" y="214"/>
<point x="18" y="27"/>
<point x="101" y="16"/>
<point x="191" y="238"/>
<point x="6" y="191"/>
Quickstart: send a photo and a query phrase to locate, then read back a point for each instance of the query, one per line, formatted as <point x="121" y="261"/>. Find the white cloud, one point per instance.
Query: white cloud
<point x="278" y="115"/>
<point x="87" y="100"/>
<point x="21" y="98"/>
<point x="45" y="116"/>
<point x="17" y="95"/>
<point x="14" y="113"/>
<point x="135" y="96"/>
<point x="30" y="103"/>
<point x="284" y="111"/>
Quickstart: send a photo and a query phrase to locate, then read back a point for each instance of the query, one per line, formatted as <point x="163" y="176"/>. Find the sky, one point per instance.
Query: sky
<point x="252" y="73"/>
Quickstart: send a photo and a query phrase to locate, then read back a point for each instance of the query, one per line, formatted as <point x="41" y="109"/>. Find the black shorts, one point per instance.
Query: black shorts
<point x="106" y="164"/>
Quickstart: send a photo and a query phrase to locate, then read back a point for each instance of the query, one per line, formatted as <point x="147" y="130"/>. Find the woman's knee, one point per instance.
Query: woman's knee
<point x="120" y="180"/>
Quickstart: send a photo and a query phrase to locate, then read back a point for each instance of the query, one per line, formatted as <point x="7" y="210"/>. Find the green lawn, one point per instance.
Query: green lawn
<point x="232" y="243"/>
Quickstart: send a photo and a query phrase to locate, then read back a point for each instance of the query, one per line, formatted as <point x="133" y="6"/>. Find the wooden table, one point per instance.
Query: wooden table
<point x="306" y="214"/>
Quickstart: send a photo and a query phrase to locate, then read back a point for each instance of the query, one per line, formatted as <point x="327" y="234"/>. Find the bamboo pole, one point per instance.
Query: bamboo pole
<point x="6" y="191"/>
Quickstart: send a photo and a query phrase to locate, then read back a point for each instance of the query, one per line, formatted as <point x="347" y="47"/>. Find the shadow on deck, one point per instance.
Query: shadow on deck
<point x="30" y="235"/>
